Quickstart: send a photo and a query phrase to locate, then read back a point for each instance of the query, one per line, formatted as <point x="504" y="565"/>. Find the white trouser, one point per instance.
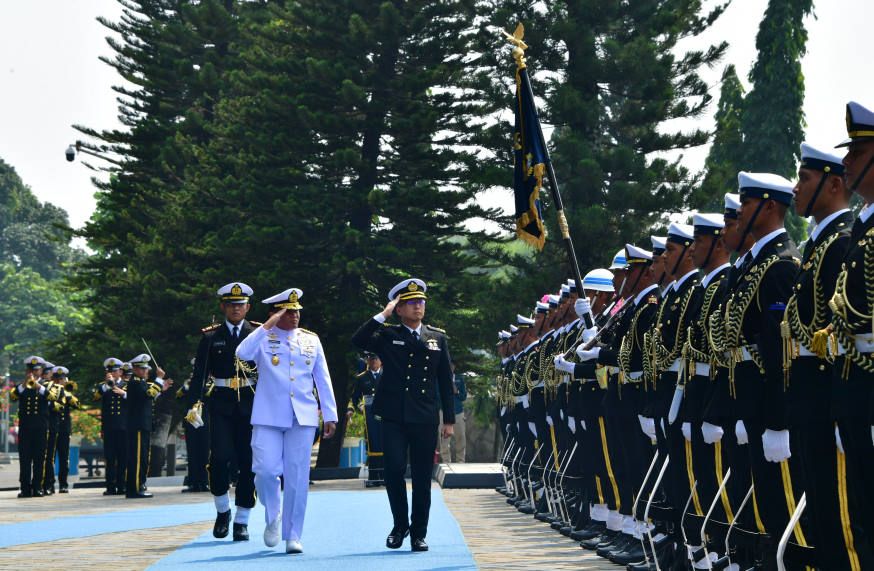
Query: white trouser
<point x="286" y="452"/>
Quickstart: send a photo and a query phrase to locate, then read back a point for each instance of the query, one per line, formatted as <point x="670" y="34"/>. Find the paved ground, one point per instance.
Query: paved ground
<point x="498" y="536"/>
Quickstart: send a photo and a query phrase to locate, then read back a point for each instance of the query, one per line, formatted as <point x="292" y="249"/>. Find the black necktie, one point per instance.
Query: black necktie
<point x="235" y="332"/>
<point x="416" y="335"/>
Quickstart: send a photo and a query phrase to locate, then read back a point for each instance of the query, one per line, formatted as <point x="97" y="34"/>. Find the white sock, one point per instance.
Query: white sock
<point x="222" y="503"/>
<point x="242" y="515"/>
<point x="614" y="521"/>
<point x="628" y="525"/>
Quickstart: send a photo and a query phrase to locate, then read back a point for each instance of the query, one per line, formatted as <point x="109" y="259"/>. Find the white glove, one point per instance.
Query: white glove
<point x="588" y="334"/>
<point x="648" y="426"/>
<point x="562" y="365"/>
<point x="776" y="445"/>
<point x="872" y="432"/>
<point x="711" y="433"/>
<point x="533" y="428"/>
<point x="193" y="417"/>
<point x="549" y="420"/>
<point x="583" y="424"/>
<point x="838" y="440"/>
<point x="582" y="306"/>
<point x="740" y="431"/>
<point x="686" y="429"/>
<point x="588" y="355"/>
<point x="572" y="424"/>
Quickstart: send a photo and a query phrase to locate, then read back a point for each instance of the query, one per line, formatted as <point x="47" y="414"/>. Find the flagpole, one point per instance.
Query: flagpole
<point x="519" y="56"/>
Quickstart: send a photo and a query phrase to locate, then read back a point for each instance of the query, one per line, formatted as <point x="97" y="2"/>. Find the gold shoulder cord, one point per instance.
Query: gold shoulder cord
<point x="665" y="357"/>
<point x="629" y="340"/>
<point x="813" y="335"/>
<point x="843" y="323"/>
<point x="696" y="346"/>
<point x="735" y="309"/>
<point x="547" y="371"/>
<point x="243" y="370"/>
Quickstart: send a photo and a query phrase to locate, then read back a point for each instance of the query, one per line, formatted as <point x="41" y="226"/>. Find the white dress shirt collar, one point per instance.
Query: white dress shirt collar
<point x="709" y="277"/>
<point x="757" y="247"/>
<point x="865" y="214"/>
<point x="825" y="222"/>
<point x="682" y="280"/>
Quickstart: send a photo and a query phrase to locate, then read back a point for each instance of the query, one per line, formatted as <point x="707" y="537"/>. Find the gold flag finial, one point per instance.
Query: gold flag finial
<point x="516" y="39"/>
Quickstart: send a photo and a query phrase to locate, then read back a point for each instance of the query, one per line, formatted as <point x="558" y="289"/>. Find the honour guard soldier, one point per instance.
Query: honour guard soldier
<point x="366" y="383"/>
<point x="33" y="424"/>
<point x="293" y="380"/>
<point x="416" y="361"/>
<point x="196" y="443"/>
<point x="662" y="277"/>
<point x="113" y="416"/>
<point x="230" y="408"/>
<point x="851" y="330"/>
<point x="140" y="394"/>
<point x="751" y="331"/>
<point x="65" y="403"/>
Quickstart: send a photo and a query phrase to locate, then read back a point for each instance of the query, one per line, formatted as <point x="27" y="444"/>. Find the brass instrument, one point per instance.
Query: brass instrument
<point x="31" y="383"/>
<point x="110" y="383"/>
<point x="70" y="386"/>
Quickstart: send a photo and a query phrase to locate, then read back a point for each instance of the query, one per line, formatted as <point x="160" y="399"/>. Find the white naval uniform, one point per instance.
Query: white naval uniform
<point x="285" y="415"/>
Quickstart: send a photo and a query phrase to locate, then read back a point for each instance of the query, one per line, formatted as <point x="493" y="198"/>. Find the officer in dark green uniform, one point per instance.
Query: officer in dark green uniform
<point x="415" y="357"/>
<point x="366" y="383"/>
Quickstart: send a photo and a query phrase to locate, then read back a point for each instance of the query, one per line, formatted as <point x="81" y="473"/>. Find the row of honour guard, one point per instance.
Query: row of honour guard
<point x="687" y="411"/>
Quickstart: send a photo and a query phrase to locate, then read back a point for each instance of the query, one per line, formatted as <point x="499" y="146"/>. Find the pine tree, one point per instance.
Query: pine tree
<point x="773" y="119"/>
<point x="726" y="155"/>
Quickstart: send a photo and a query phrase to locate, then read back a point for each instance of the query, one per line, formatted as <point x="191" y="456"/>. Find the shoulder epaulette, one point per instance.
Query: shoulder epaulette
<point x="211" y="327"/>
<point x="437" y="329"/>
<point x="308" y="331"/>
<point x="256" y="323"/>
<point x="361" y="373"/>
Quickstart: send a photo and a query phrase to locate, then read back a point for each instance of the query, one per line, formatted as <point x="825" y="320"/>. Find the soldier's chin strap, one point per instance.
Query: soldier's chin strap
<point x="862" y="174"/>
<point x="819" y="188"/>
<point x="743" y="238"/>
<point x="710" y="251"/>
<point x="679" y="260"/>
<point x="634" y="286"/>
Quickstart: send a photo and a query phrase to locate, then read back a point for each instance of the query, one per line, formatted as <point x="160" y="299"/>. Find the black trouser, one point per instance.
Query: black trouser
<point x="856" y="482"/>
<point x="32" y="456"/>
<point x="138" y="450"/>
<point x="63" y="448"/>
<point x="635" y="448"/>
<point x="421" y="439"/>
<point x="197" y="449"/>
<point x="230" y="439"/>
<point x="115" y="456"/>
<point x="49" y="468"/>
<point x="373" y="428"/>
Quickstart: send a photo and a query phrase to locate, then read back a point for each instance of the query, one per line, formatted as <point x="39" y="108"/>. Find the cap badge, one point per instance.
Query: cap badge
<point x="292" y="297"/>
<point x="413" y="286"/>
<point x="236" y="290"/>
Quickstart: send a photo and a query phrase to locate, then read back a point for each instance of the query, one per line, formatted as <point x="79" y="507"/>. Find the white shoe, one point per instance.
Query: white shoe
<point x="271" y="532"/>
<point x="293" y="546"/>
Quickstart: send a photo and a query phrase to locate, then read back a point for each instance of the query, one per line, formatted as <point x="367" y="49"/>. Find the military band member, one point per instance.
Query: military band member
<point x="851" y="330"/>
<point x="285" y="414"/>
<point x="33" y="424"/>
<point x="66" y="403"/>
<point x="52" y="438"/>
<point x="140" y="394"/>
<point x="416" y="361"/>
<point x="366" y="383"/>
<point x="229" y="387"/>
<point x="113" y="416"/>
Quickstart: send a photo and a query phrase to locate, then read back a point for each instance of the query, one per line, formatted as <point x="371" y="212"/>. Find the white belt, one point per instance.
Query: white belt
<point x="634" y="375"/>
<point x="233" y="383"/>
<point x="804" y="351"/>
<point x="518" y="399"/>
<point x="675" y="366"/>
<point x="702" y="369"/>
<point x="864" y="344"/>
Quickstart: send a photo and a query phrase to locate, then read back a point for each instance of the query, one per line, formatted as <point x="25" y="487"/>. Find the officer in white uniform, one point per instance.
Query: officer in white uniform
<point x="285" y="415"/>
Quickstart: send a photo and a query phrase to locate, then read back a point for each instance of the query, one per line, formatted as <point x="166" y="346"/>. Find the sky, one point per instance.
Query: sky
<point x="51" y="78"/>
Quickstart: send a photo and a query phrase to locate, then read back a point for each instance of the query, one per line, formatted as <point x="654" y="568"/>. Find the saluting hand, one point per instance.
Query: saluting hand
<point x="390" y="307"/>
<point x="273" y="319"/>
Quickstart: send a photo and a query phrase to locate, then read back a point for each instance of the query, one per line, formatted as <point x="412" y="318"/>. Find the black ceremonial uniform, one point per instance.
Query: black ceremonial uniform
<point x="752" y="333"/>
<point x="414" y="369"/>
<point x="230" y="409"/>
<point x="140" y="398"/>
<point x="113" y="414"/>
<point x="33" y="427"/>
<point x="54" y="410"/>
<point x="363" y="394"/>
<point x="66" y="403"/>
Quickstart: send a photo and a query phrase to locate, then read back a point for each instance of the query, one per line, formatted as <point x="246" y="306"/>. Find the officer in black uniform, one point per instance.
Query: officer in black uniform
<point x="48" y="481"/>
<point x="196" y="444"/>
<point x="140" y="394"/>
<point x="33" y="424"/>
<point x="64" y="405"/>
<point x="366" y="383"/>
<point x="230" y="408"/>
<point x="415" y="358"/>
<point x="113" y="415"/>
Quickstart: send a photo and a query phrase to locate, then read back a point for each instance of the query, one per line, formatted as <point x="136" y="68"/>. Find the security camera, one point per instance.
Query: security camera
<point x="70" y="153"/>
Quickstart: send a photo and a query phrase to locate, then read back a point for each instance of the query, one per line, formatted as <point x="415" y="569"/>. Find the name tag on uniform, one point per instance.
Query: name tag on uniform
<point x="218" y="344"/>
<point x="398" y="342"/>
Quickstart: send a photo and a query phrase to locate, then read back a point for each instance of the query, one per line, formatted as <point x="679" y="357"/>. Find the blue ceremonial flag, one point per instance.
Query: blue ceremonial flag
<point x="530" y="157"/>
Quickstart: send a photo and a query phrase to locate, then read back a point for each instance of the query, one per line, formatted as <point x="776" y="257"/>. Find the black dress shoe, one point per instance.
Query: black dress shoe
<point x="63" y="490"/>
<point x="632" y="554"/>
<point x="38" y="493"/>
<point x="203" y="488"/>
<point x="396" y="538"/>
<point x="371" y="484"/>
<point x="418" y="544"/>
<point x="599" y="540"/>
<point x="120" y="492"/>
<point x="109" y="492"/>
<point x="24" y="494"/>
<point x="189" y="490"/>
<point x="241" y="532"/>
<point x="48" y="491"/>
<point x="138" y="495"/>
<point x="617" y="545"/>
<point x="222" y="522"/>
